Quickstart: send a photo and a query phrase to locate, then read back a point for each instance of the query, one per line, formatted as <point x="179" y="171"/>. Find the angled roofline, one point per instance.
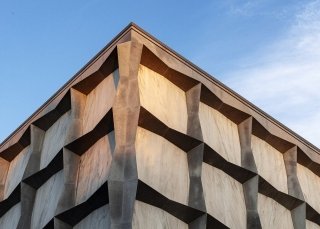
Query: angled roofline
<point x="164" y="47"/>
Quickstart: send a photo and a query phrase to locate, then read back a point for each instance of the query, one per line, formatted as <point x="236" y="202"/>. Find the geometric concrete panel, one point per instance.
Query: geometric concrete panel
<point x="11" y="219"/>
<point x="146" y="216"/>
<point x="54" y="139"/>
<point x="16" y="171"/>
<point x="94" y="167"/>
<point x="224" y="197"/>
<point x="311" y="225"/>
<point x="270" y="164"/>
<point x="220" y="133"/>
<point x="97" y="219"/>
<point x="272" y="214"/>
<point x="99" y="101"/>
<point x="46" y="201"/>
<point x="158" y="95"/>
<point x="310" y="184"/>
<point x="157" y="166"/>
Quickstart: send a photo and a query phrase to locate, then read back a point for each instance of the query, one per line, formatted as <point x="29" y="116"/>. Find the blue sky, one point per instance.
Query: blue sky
<point x="266" y="50"/>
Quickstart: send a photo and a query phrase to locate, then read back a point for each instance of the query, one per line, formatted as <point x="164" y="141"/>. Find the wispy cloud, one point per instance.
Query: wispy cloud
<point x="284" y="78"/>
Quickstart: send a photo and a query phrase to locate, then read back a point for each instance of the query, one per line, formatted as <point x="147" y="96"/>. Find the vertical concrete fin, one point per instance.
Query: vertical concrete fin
<point x="28" y="193"/>
<point x="250" y="187"/>
<point x="123" y="178"/>
<point x="298" y="214"/>
<point x="71" y="160"/>
<point x="195" y="156"/>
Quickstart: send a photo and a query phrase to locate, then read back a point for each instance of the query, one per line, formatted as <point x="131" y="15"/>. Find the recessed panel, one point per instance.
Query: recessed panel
<point x="220" y="133"/>
<point x="146" y="216"/>
<point x="94" y="167"/>
<point x="224" y="197"/>
<point x="99" y="101"/>
<point x="163" y="99"/>
<point x="162" y="165"/>
<point x="272" y="214"/>
<point x="311" y="225"/>
<point x="46" y="200"/>
<point x="16" y="170"/>
<point x="98" y="219"/>
<point x="310" y="185"/>
<point x="270" y="164"/>
<point x="54" y="139"/>
<point x="10" y="220"/>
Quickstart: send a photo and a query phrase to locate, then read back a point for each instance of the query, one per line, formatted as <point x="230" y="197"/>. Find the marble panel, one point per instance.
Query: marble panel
<point x="54" y="139"/>
<point x="162" y="165"/>
<point x="270" y="164"/>
<point x="163" y="99"/>
<point x="224" y="197"/>
<point x="146" y="216"/>
<point x="272" y="214"/>
<point x="99" y="101"/>
<point x="46" y="200"/>
<point x="94" y="168"/>
<point x="220" y="133"/>
<point x="16" y="170"/>
<point x="310" y="185"/>
<point x="311" y="225"/>
<point x="10" y="220"/>
<point x="99" y="218"/>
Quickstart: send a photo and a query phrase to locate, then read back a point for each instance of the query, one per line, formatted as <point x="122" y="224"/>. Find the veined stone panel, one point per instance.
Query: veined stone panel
<point x="54" y="139"/>
<point x="162" y="165"/>
<point x="98" y="219"/>
<point x="46" y="201"/>
<point x="224" y="197"/>
<point x="272" y="214"/>
<point x="220" y="133"/>
<point x="94" y="167"/>
<point x="11" y="219"/>
<point x="163" y="99"/>
<point x="146" y="216"/>
<point x="99" y="101"/>
<point x="270" y="164"/>
<point x="16" y="170"/>
<point x="311" y="225"/>
<point x="310" y="184"/>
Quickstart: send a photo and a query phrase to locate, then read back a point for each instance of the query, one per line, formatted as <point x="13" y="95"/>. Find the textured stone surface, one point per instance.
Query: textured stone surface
<point x="11" y="218"/>
<point x="220" y="133"/>
<point x="16" y="170"/>
<point x="54" y="139"/>
<point x="146" y="216"/>
<point x="158" y="95"/>
<point x="224" y="197"/>
<point x="310" y="184"/>
<point x="46" y="201"/>
<point x="272" y="214"/>
<point x="94" y="168"/>
<point x="99" y="101"/>
<point x="157" y="166"/>
<point x="311" y="225"/>
<point x="99" y="218"/>
<point x="270" y="164"/>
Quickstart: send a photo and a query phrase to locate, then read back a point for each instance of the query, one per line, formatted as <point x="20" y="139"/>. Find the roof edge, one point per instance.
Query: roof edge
<point x="224" y="87"/>
<point x="69" y="82"/>
<point x="151" y="38"/>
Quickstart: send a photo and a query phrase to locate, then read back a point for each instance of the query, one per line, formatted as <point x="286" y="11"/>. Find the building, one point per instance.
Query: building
<point x="142" y="138"/>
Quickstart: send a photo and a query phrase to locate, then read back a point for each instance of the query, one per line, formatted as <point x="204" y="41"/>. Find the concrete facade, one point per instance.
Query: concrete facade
<point x="142" y="138"/>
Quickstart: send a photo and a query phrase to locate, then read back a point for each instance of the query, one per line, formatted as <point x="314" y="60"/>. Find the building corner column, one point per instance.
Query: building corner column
<point x="123" y="178"/>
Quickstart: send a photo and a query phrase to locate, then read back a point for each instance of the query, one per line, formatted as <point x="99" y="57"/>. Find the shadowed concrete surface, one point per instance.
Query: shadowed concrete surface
<point x="142" y="138"/>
